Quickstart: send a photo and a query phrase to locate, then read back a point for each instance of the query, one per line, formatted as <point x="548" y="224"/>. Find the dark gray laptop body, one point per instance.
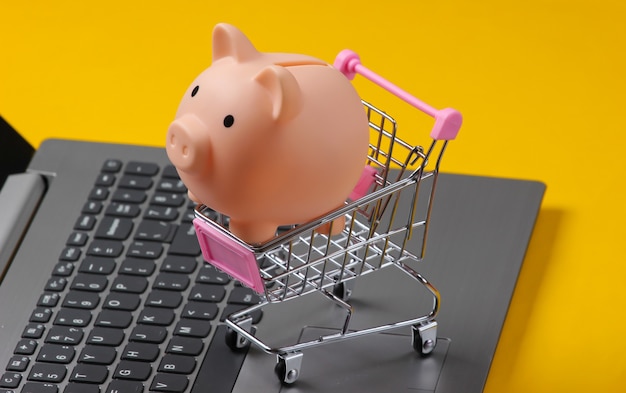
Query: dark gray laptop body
<point x="478" y="237"/>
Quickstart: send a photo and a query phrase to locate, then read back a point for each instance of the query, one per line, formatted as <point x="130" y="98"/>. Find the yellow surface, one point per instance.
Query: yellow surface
<point x="540" y="83"/>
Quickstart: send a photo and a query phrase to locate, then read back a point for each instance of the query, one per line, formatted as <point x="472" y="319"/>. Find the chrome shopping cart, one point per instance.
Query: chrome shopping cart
<point x="304" y="259"/>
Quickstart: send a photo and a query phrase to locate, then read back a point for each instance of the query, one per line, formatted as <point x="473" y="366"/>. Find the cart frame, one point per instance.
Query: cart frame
<point x="306" y="258"/>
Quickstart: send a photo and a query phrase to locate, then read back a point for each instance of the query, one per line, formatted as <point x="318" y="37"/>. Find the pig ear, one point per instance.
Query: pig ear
<point x="228" y="41"/>
<point x="283" y="90"/>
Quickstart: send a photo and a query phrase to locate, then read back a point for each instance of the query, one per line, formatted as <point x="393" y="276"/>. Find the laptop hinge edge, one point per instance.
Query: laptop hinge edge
<point x="19" y="199"/>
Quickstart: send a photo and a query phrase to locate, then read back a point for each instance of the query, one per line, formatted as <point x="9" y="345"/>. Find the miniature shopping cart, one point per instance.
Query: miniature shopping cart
<point x="304" y="259"/>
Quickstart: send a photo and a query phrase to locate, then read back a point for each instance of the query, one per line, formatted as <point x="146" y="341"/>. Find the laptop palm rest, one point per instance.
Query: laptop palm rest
<point x="480" y="230"/>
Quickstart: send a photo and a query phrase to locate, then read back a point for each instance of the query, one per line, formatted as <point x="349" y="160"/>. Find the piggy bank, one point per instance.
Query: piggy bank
<point x="268" y="139"/>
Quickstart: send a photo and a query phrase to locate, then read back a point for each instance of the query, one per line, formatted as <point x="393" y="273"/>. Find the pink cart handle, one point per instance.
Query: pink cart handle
<point x="447" y="121"/>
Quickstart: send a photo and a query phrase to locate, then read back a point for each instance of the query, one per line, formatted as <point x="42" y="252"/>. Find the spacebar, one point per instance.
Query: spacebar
<point x="220" y="366"/>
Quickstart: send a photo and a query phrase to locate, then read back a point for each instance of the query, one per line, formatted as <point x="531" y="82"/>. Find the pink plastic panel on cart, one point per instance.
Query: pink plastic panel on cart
<point x="228" y="255"/>
<point x="447" y="121"/>
<point x="368" y="176"/>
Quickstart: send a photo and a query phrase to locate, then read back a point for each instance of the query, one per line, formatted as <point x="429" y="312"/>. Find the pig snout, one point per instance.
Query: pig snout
<point x="187" y="144"/>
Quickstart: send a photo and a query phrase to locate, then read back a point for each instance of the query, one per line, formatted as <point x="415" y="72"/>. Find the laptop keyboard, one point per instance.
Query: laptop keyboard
<point x="130" y="306"/>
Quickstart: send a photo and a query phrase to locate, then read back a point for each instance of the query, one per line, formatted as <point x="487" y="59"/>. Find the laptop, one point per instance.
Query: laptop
<point x="104" y="288"/>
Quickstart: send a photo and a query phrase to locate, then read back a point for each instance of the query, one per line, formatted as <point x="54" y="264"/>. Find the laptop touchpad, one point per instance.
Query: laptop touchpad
<point x="384" y="362"/>
<point x="372" y="363"/>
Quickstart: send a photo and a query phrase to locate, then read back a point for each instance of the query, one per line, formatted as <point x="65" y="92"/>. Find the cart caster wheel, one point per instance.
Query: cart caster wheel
<point x="235" y="341"/>
<point x="287" y="368"/>
<point x="425" y="338"/>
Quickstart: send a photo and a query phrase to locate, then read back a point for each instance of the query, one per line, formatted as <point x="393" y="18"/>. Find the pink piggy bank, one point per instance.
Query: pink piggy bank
<point x="268" y="139"/>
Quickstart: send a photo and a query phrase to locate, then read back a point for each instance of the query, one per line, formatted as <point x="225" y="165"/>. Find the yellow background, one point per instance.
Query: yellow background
<point x="540" y="83"/>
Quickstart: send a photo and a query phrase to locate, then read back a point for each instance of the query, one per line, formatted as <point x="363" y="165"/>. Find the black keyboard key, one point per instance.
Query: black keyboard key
<point x="89" y="282"/>
<point x="189" y="215"/>
<point x="42" y="372"/>
<point x="18" y="363"/>
<point x="33" y="330"/>
<point x="141" y="168"/>
<point x="41" y="314"/>
<point x="105" y="180"/>
<point x="118" y="209"/>
<point x="169" y="383"/>
<point x="70" y="254"/>
<point x="156" y="316"/>
<point x="147" y="250"/>
<point x="94" y="354"/>
<point x="48" y="300"/>
<point x="92" y="207"/>
<point x="157" y="231"/>
<point x="114" y="228"/>
<point x="55" y="284"/>
<point x="10" y="380"/>
<point x="125" y="195"/>
<point x="78" y="239"/>
<point x="143" y="352"/>
<point x="210" y="275"/>
<point x="129" y="284"/>
<point x="121" y="301"/>
<point x="105" y="248"/>
<point x="35" y="387"/>
<point x="148" y="334"/>
<point x="99" y="194"/>
<point x="169" y="171"/>
<point x="121" y="386"/>
<point x="171" y="282"/>
<point x="81" y="299"/>
<point x="164" y="213"/>
<point x="63" y="269"/>
<point x="200" y="310"/>
<point x="73" y="317"/>
<point x="136" y="371"/>
<point x="114" y="318"/>
<point x="137" y="267"/>
<point x="97" y="265"/>
<point x="192" y="328"/>
<point x="177" y="364"/>
<point x="89" y="373"/>
<point x="86" y="222"/>
<point x="135" y="182"/>
<point x="53" y="353"/>
<point x="207" y="293"/>
<point x="76" y="387"/>
<point x="106" y="336"/>
<point x="165" y="299"/>
<point x="111" y="166"/>
<point x="185" y="346"/>
<point x="64" y="335"/>
<point x="171" y="185"/>
<point x="185" y="241"/>
<point x="179" y="264"/>
<point x="243" y="295"/>
<point x="168" y="199"/>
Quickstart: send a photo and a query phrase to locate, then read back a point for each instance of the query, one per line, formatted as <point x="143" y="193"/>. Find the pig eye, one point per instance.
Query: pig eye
<point x="228" y="121"/>
<point x="195" y="91"/>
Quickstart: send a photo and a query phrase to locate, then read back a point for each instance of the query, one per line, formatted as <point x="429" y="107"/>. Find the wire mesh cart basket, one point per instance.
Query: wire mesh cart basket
<point x="307" y="258"/>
